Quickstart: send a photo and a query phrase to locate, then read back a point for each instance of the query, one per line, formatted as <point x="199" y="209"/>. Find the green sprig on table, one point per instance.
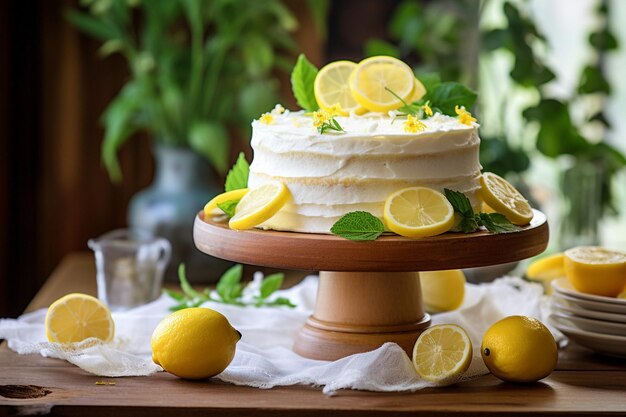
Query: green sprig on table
<point x="228" y="290"/>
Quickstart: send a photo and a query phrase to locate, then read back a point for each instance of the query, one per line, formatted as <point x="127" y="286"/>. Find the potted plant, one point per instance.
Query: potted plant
<point x="200" y="71"/>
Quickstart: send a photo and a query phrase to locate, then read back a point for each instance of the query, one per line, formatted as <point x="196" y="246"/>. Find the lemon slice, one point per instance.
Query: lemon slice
<point x="442" y="353"/>
<point x="596" y="270"/>
<point x="373" y="76"/>
<point x="546" y="269"/>
<point x="259" y="205"/>
<point x="331" y="87"/>
<point x="501" y="196"/>
<point x="211" y="206"/>
<point x="76" y="317"/>
<point x="418" y="212"/>
<point x="418" y="90"/>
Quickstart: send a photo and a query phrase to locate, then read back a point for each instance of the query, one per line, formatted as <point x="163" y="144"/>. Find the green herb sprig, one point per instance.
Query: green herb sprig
<point x="358" y="226"/>
<point x="330" y="124"/>
<point x="229" y="290"/>
<point x="302" y="80"/>
<point x="237" y="177"/>
<point x="470" y="221"/>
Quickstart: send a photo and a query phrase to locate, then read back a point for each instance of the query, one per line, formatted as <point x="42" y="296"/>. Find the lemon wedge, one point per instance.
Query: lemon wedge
<point x="501" y="196"/>
<point x="546" y="269"/>
<point x="331" y="87"/>
<point x="211" y="206"/>
<point x="76" y="317"/>
<point x="596" y="270"/>
<point x="418" y="212"/>
<point x="442" y="353"/>
<point x="259" y="205"/>
<point x="374" y="77"/>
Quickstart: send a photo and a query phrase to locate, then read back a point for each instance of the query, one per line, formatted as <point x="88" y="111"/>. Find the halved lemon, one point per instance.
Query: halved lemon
<point x="76" y="317"/>
<point x="211" y="206"/>
<point x="374" y="77"/>
<point x="331" y="87"/>
<point x="442" y="353"/>
<point x="418" y="212"/>
<point x="259" y="205"/>
<point x="501" y="196"/>
<point x="596" y="270"/>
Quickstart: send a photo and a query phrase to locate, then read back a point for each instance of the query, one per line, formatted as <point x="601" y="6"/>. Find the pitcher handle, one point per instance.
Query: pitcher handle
<point x="166" y="253"/>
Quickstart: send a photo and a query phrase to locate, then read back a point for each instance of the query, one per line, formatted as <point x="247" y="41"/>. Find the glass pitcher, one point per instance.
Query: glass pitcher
<point x="129" y="267"/>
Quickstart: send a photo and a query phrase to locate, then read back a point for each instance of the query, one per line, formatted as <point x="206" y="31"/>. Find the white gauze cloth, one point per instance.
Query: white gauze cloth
<point x="264" y="358"/>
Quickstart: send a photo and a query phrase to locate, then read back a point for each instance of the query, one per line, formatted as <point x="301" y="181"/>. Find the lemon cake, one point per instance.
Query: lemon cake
<point x="332" y="174"/>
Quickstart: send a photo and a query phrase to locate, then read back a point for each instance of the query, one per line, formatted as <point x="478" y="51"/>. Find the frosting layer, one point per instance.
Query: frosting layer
<point x="333" y="174"/>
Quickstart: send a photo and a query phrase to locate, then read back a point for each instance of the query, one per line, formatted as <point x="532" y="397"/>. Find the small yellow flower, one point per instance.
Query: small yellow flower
<point x="465" y="117"/>
<point x="335" y="110"/>
<point x="267" y="119"/>
<point x="427" y="110"/>
<point x="413" y="124"/>
<point x="320" y="117"/>
<point x="278" y="109"/>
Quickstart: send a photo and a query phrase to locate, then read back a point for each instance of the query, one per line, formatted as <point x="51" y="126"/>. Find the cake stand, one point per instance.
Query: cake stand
<point x="369" y="292"/>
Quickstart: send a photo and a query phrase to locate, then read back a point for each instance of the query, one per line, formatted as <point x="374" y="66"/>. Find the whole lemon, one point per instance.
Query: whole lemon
<point x="442" y="290"/>
<point x="519" y="349"/>
<point x="194" y="343"/>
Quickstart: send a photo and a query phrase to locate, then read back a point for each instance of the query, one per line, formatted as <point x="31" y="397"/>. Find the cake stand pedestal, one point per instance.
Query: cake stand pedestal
<point x="369" y="292"/>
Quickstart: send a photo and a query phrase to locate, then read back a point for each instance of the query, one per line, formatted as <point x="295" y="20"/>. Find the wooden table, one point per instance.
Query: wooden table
<point x="583" y="384"/>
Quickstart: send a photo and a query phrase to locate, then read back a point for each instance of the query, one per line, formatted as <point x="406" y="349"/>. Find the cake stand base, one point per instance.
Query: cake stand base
<point x="359" y="311"/>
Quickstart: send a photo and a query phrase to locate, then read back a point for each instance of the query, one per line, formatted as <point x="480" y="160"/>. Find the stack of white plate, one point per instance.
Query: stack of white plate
<point x="596" y="322"/>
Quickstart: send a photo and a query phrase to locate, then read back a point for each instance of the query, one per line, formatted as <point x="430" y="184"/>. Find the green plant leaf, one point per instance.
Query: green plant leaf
<point x="258" y="55"/>
<point x="228" y="285"/>
<point x="603" y="40"/>
<point x="280" y="301"/>
<point x="593" y="81"/>
<point x="256" y="98"/>
<point x="93" y="26"/>
<point x="173" y="294"/>
<point x="460" y="203"/>
<point x="228" y="207"/>
<point x="271" y="283"/>
<point x="184" y="283"/>
<point x="497" y="223"/>
<point x="495" y="39"/>
<point x="374" y="47"/>
<point x="429" y="79"/>
<point x="358" y="226"/>
<point x="210" y="139"/>
<point x="302" y="79"/>
<point x="237" y="177"/>
<point x="447" y="95"/>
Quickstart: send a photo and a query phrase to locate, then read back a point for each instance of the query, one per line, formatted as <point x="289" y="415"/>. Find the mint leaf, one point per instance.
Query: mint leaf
<point x="280" y="301"/>
<point x="228" y="286"/>
<point x="184" y="284"/>
<point x="358" y="226"/>
<point x="460" y="202"/>
<point x="497" y="223"/>
<point x="302" y="80"/>
<point x="237" y="177"/>
<point x="468" y="224"/>
<point x="445" y="96"/>
<point x="270" y="284"/>
<point x="228" y="207"/>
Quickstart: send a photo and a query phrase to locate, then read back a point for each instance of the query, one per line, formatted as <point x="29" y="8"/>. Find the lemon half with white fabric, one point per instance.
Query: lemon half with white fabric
<point x="442" y="353"/>
<point x="76" y="317"/>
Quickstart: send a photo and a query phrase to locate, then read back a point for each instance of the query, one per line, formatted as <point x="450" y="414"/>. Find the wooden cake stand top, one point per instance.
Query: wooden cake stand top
<point x="390" y="253"/>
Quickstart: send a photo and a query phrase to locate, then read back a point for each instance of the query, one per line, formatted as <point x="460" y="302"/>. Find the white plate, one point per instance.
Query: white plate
<point x="603" y="343"/>
<point x="590" y="325"/>
<point x="557" y="306"/>
<point x="589" y="305"/>
<point x="563" y="286"/>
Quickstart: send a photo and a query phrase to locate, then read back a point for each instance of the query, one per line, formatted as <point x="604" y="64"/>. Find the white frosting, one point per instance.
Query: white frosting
<point x="333" y="174"/>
